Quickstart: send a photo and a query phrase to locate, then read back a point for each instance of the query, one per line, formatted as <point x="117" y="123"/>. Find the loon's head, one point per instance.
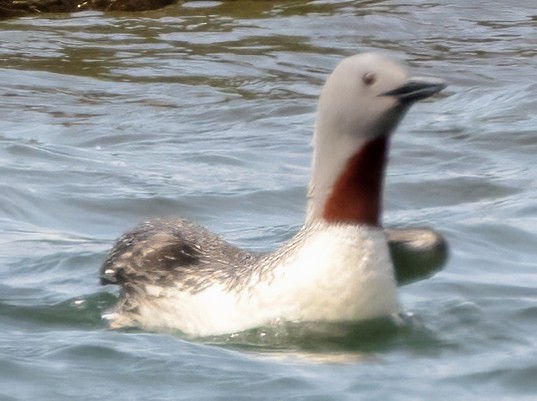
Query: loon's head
<point x="360" y="105"/>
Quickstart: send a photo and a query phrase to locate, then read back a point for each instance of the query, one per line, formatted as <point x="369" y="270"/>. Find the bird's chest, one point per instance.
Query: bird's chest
<point x="335" y="274"/>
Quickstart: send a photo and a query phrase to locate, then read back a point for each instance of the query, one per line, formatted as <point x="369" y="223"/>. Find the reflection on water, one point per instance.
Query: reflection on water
<point x="205" y="110"/>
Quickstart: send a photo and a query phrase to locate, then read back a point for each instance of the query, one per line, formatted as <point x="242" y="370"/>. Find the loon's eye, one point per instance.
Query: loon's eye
<point x="369" y="78"/>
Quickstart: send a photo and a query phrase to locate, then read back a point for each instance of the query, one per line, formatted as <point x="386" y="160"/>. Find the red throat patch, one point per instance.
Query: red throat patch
<point x="357" y="194"/>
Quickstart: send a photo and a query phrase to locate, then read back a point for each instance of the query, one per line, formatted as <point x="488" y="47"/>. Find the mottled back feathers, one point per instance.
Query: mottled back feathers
<point x="174" y="253"/>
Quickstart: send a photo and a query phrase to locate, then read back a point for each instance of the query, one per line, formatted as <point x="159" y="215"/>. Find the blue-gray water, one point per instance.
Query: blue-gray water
<point x="205" y="110"/>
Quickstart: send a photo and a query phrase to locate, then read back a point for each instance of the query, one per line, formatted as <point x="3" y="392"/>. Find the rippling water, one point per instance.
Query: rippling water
<point x="205" y="110"/>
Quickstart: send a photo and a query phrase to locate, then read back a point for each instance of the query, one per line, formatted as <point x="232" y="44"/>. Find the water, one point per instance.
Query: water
<point x="205" y="110"/>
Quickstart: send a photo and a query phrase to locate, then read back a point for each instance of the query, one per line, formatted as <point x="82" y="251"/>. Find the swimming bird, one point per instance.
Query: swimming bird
<point x="175" y="274"/>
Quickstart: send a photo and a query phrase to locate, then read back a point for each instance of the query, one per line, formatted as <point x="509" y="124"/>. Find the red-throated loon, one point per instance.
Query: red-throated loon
<point x="175" y="274"/>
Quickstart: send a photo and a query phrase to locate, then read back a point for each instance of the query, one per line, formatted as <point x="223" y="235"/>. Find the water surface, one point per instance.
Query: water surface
<point x="205" y="110"/>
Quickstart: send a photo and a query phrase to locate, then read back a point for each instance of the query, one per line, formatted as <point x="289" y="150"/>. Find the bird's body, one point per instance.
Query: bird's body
<point x="176" y="274"/>
<point x="180" y="275"/>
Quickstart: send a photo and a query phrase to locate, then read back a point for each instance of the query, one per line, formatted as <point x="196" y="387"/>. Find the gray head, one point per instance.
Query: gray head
<point x="360" y="104"/>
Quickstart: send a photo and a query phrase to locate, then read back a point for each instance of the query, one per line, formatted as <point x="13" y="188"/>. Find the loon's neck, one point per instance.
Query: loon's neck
<point x="353" y="193"/>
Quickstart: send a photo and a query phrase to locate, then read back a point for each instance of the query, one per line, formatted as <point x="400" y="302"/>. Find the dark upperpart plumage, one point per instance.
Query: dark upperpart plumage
<point x="174" y="252"/>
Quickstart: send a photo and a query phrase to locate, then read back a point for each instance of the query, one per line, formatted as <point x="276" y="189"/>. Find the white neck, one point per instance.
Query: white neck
<point x="331" y="153"/>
